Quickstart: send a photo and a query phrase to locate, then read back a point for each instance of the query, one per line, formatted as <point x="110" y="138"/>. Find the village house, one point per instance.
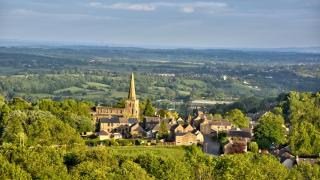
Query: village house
<point x="153" y="132"/>
<point x="103" y="135"/>
<point x="186" y="139"/>
<point x="240" y="135"/>
<point x="200" y="137"/>
<point x="213" y="127"/>
<point x="180" y="120"/>
<point x="136" y="131"/>
<point x="117" y="125"/>
<point x="238" y="140"/>
<point x="150" y="122"/>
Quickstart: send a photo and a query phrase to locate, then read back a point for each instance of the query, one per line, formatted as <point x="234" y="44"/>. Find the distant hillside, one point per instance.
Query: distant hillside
<point x="190" y="55"/>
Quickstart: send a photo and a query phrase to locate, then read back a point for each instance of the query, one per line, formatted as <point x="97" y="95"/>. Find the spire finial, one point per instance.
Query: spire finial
<point x="132" y="92"/>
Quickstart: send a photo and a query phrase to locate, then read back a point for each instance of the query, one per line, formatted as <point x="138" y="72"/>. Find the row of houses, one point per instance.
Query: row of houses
<point x="177" y="131"/>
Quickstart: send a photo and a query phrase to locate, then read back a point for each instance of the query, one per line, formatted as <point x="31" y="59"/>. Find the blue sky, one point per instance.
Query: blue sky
<point x="165" y="23"/>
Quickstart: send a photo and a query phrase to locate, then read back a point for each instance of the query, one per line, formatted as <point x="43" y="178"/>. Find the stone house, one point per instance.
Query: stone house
<point x="185" y="139"/>
<point x="238" y="140"/>
<point x="103" y="135"/>
<point x="117" y="125"/>
<point x="136" y="131"/>
<point x="150" y="122"/>
<point x="200" y="137"/>
<point x="212" y="127"/>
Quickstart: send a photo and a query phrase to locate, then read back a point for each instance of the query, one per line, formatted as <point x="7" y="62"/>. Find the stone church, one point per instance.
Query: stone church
<point x="131" y="109"/>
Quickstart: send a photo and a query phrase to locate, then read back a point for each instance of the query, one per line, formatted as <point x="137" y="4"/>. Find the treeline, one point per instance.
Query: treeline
<point x="45" y="122"/>
<point x="41" y="162"/>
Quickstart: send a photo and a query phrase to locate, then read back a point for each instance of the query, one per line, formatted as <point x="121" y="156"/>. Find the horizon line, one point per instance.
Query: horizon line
<point x="50" y="43"/>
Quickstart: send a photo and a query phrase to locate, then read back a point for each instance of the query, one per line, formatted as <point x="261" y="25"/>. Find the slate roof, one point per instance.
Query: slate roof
<point x="157" y="127"/>
<point x="221" y="123"/>
<point x="184" y="133"/>
<point x="103" y="132"/>
<point x="133" y="120"/>
<point x="119" y="120"/>
<point x="288" y="163"/>
<point x="110" y="120"/>
<point x="137" y="127"/>
<point x="243" y="134"/>
<point x="152" y="119"/>
<point x="173" y="127"/>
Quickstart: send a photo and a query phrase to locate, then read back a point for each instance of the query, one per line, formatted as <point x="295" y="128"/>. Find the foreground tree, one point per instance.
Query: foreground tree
<point x="249" y="166"/>
<point x="305" y="171"/>
<point x="305" y="139"/>
<point x="270" y="130"/>
<point x="11" y="171"/>
<point x="302" y="110"/>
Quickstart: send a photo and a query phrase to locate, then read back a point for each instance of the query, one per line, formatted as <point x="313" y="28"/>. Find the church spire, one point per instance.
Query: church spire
<point x="132" y="91"/>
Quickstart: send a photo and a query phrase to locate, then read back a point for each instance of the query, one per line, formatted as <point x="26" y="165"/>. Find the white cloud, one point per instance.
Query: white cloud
<point x="187" y="9"/>
<point x="182" y="7"/>
<point x="125" y="6"/>
<point x="134" y="7"/>
<point x="202" y="6"/>
<point x="95" y="4"/>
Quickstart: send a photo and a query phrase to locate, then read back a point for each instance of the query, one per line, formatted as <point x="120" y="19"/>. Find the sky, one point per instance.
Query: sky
<point x="164" y="23"/>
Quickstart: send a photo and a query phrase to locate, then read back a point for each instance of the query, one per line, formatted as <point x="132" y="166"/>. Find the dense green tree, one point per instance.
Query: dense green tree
<point x="302" y="111"/>
<point x="149" y="110"/>
<point x="39" y="162"/>
<point x="129" y="170"/>
<point x="163" y="131"/>
<point x="163" y="113"/>
<point x="303" y="107"/>
<point x="14" y="130"/>
<point x="38" y="128"/>
<point x="11" y="171"/>
<point x="163" y="168"/>
<point x="305" y="139"/>
<point x="249" y="166"/>
<point x="121" y="103"/>
<point x="270" y="130"/>
<point x="253" y="147"/>
<point x="202" y="165"/>
<point x="19" y="104"/>
<point x="217" y="116"/>
<point x="237" y="118"/>
<point x="76" y="114"/>
<point x="305" y="171"/>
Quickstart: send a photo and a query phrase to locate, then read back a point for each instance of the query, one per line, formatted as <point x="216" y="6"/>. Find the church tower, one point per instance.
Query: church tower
<point x="132" y="104"/>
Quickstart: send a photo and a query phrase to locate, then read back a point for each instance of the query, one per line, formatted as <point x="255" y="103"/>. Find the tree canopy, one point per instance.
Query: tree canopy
<point x="302" y="111"/>
<point x="237" y="118"/>
<point x="270" y="130"/>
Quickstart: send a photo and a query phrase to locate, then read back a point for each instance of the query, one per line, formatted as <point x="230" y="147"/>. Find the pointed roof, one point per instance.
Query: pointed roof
<point x="132" y="91"/>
